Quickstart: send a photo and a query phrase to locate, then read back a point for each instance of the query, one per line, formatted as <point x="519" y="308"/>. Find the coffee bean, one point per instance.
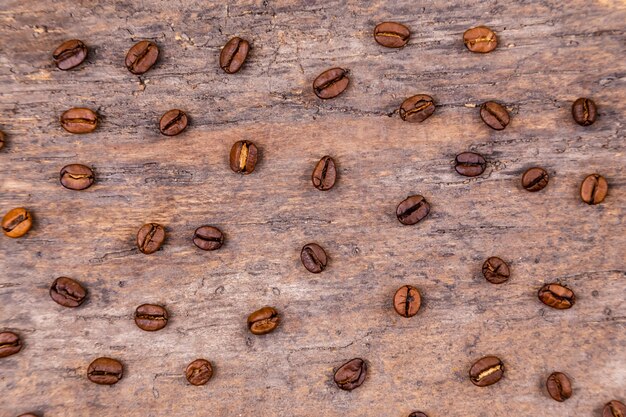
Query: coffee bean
<point x="407" y="301"/>
<point x="557" y="296"/>
<point x="559" y="386"/>
<point x="535" y="179"/>
<point x="76" y="177"/>
<point x="331" y="83"/>
<point x="584" y="111"/>
<point x="10" y="344"/>
<point x="324" y="174"/>
<point x="494" y="115"/>
<point x="412" y="210"/>
<point x="208" y="238"/>
<point x="173" y="122"/>
<point x="2" y="139"/>
<point x="79" y="120"/>
<point x="199" y="372"/>
<point x="418" y="414"/>
<point x="141" y="57"/>
<point x="70" y="54"/>
<point x="234" y="54"/>
<point x="313" y="258"/>
<point x="105" y="371"/>
<point x="593" y="189"/>
<point x="470" y="164"/>
<point x="391" y="34"/>
<point x="351" y="374"/>
<point x="480" y="39"/>
<point x="614" y="409"/>
<point x="243" y="157"/>
<point x="486" y="371"/>
<point x="28" y="415"/>
<point x="67" y="292"/>
<point x="496" y="270"/>
<point x="17" y="222"/>
<point x="263" y="321"/>
<point x="151" y="317"/>
<point x="418" y="108"/>
<point x="150" y="237"/>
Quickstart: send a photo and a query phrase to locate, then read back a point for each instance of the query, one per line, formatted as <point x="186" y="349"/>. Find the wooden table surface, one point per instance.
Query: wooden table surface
<point x="549" y="54"/>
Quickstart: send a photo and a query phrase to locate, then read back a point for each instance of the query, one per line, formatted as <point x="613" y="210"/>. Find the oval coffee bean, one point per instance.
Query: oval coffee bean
<point x="10" y="344"/>
<point x="470" y="164"/>
<point x="407" y="301"/>
<point x="2" y="139"/>
<point x="614" y="409"/>
<point x="557" y="296"/>
<point x="313" y="258"/>
<point x="79" y="120"/>
<point x="351" y="374"/>
<point x="486" y="371"/>
<point x="199" y="372"/>
<point x="17" y="222"/>
<point x="234" y="54"/>
<point x="391" y="34"/>
<point x="70" y="54"/>
<point x="496" y="271"/>
<point x="173" y="122"/>
<point x="412" y="210"/>
<point x="263" y="321"/>
<point x="494" y="115"/>
<point x="151" y="317"/>
<point x="105" y="371"/>
<point x="331" y="83"/>
<point x="243" y="157"/>
<point x="150" y="238"/>
<point x="28" y="415"/>
<point x="67" y="292"/>
<point x="559" y="386"/>
<point x="324" y="174"/>
<point x="593" y="189"/>
<point x="418" y="108"/>
<point x="141" y="57"/>
<point x="76" y="177"/>
<point x="418" y="414"/>
<point x="535" y="179"/>
<point x="480" y="39"/>
<point x="584" y="111"/>
<point x="208" y="238"/>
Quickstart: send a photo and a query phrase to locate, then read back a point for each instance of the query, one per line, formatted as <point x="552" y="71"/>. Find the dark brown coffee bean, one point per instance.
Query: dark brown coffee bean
<point x="173" y="122"/>
<point x="243" y="157"/>
<point x="324" y="174"/>
<point x="141" y="57"/>
<point x="2" y="139"/>
<point x="263" y="321"/>
<point x="351" y="374"/>
<point x="151" y="317"/>
<point x="557" y="296"/>
<point x="199" y="372"/>
<point x="105" y="371"/>
<point x="67" y="292"/>
<point x="70" y="54"/>
<point x="614" y="409"/>
<point x="17" y="222"/>
<point x="331" y="83"/>
<point x="208" y="238"/>
<point x="418" y="414"/>
<point x="407" y="301"/>
<point x="234" y="54"/>
<point x="391" y="34"/>
<point x="313" y="258"/>
<point x="150" y="237"/>
<point x="494" y="115"/>
<point x="559" y="386"/>
<point x="10" y="344"/>
<point x="470" y="164"/>
<point x="496" y="270"/>
<point x="535" y="179"/>
<point x="412" y="210"/>
<point x="76" y="177"/>
<point x="593" y="189"/>
<point x="486" y="371"/>
<point x="480" y="39"/>
<point x="418" y="108"/>
<point x="79" y="120"/>
<point x="584" y="111"/>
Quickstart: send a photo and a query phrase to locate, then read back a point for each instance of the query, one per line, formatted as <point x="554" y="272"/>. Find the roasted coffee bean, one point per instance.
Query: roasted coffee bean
<point x="470" y="164"/>
<point x="67" y="292"/>
<point x="173" y="122"/>
<point x="141" y="57"/>
<point x="494" y="115"/>
<point x="584" y="111"/>
<point x="418" y="414"/>
<point x="79" y="120"/>
<point x="2" y="139"/>
<point x="264" y="320"/>
<point x="351" y="374"/>
<point x="17" y="222"/>
<point x="150" y="237"/>
<point x="557" y="296"/>
<point x="234" y="54"/>
<point x="208" y="238"/>
<point x="412" y="210"/>
<point x="486" y="371"/>
<point x="243" y="157"/>
<point x="480" y="39"/>
<point x="593" y="189"/>
<point x="70" y="54"/>
<point x="559" y="386"/>
<point x="407" y="301"/>
<point x="151" y="317"/>
<point x="418" y="108"/>
<point x="10" y="344"/>
<point x="105" y="371"/>
<point x="324" y="174"/>
<point x="391" y="34"/>
<point x="313" y="258"/>
<point x="199" y="372"/>
<point x="535" y="179"/>
<point x="28" y="415"/>
<point x="496" y="270"/>
<point x="76" y="177"/>
<point x="331" y="83"/>
<point x="614" y="409"/>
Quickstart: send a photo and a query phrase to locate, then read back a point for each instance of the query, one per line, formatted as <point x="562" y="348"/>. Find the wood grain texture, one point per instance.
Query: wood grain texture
<point x="549" y="54"/>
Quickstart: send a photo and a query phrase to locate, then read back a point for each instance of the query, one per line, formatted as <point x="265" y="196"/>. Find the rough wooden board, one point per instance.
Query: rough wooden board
<point x="550" y="53"/>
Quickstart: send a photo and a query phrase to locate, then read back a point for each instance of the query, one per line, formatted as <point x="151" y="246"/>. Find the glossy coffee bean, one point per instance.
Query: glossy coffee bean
<point x="480" y="39"/>
<point x="263" y="321"/>
<point x="234" y="54"/>
<point x="614" y="409"/>
<point x="494" y="115"/>
<point x="173" y="122"/>
<point x="418" y="414"/>
<point x="407" y="301"/>
<point x="324" y="174"/>
<point x="496" y="271"/>
<point x="535" y="179"/>
<point x="67" y="292"/>
<point x="412" y="210"/>
<point x="418" y="108"/>
<point x="584" y="111"/>
<point x="391" y="34"/>
<point x="10" y="344"/>
<point x="351" y="374"/>
<point x="313" y="258"/>
<point x="76" y="177"/>
<point x="243" y="157"/>
<point x="141" y="57"/>
<point x="151" y="317"/>
<point x="79" y="120"/>
<point x="150" y="238"/>
<point x="557" y="296"/>
<point x="486" y="371"/>
<point x="17" y="222"/>
<point x="199" y="372"/>
<point x="208" y="238"/>
<point x="2" y="139"/>
<point x="470" y="164"/>
<point x="331" y="83"/>
<point x="70" y="54"/>
<point x="593" y="189"/>
<point x="105" y="371"/>
<point x="559" y="386"/>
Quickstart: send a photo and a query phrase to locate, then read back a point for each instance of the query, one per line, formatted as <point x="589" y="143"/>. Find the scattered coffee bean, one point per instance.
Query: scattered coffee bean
<point x="76" y="177"/>
<point x="105" y="371"/>
<point x="331" y="83"/>
<point x="10" y="344"/>
<point x="173" y="122"/>
<point x="199" y="372"/>
<point x="151" y="317"/>
<point x="17" y="222"/>
<point x="407" y="301"/>
<point x="412" y="210"/>
<point x="243" y="157"/>
<point x="614" y="409"/>
<point x="208" y="238"/>
<point x="28" y="415"/>
<point x="496" y="270"/>
<point x="593" y="189"/>
<point x="557" y="296"/>
<point x="559" y="386"/>
<point x="535" y="179"/>
<point x="141" y="57"/>
<point x="351" y="374"/>
<point x="486" y="371"/>
<point x="470" y="164"/>
<point x="391" y="34"/>
<point x="324" y="174"/>
<point x="2" y="139"/>
<point x="418" y="414"/>
<point x="480" y="39"/>
<point x="263" y="321"/>
<point x="584" y="111"/>
<point x="79" y="120"/>
<point x="313" y="258"/>
<point x="234" y="54"/>
<point x="494" y="115"/>
<point x="418" y="108"/>
<point x="150" y="237"/>
<point x="70" y="54"/>
<point x="67" y="292"/>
